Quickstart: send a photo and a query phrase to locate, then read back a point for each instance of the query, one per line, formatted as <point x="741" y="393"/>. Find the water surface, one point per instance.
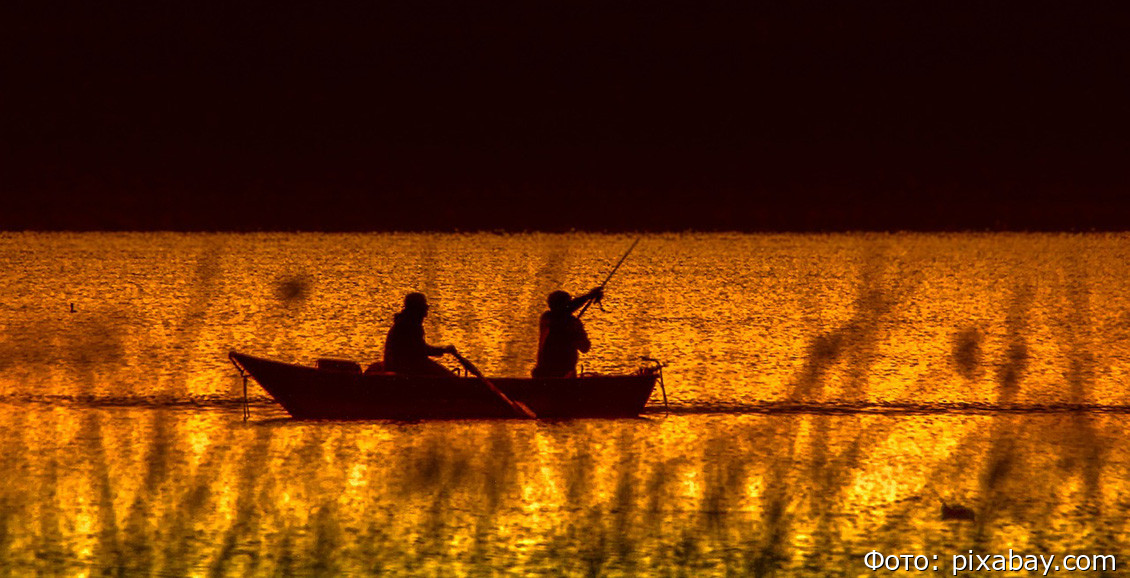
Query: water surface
<point x="827" y="393"/>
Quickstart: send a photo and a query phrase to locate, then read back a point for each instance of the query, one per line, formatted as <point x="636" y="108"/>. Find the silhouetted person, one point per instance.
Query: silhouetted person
<point x="562" y="335"/>
<point x="406" y="352"/>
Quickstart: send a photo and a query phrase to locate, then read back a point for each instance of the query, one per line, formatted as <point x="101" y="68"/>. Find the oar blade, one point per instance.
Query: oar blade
<point x="525" y="410"/>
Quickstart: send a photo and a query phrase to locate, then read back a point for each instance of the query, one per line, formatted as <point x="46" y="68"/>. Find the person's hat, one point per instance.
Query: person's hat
<point x="415" y="302"/>
<point x="558" y="300"/>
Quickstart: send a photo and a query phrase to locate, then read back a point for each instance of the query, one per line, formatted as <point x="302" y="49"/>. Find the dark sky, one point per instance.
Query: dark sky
<point x="564" y="114"/>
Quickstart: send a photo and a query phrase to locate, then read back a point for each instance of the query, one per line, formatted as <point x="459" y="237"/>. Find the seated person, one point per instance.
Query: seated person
<point x="406" y="351"/>
<point x="561" y="335"/>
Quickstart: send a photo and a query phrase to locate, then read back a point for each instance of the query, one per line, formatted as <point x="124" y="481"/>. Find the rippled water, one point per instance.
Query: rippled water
<point x="827" y="393"/>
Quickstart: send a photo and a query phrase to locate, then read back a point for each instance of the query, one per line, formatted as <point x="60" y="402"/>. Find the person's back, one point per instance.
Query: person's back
<point x="406" y="350"/>
<point x="561" y="337"/>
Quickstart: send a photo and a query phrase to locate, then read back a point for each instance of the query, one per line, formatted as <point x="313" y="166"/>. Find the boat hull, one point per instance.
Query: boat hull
<point x="311" y="393"/>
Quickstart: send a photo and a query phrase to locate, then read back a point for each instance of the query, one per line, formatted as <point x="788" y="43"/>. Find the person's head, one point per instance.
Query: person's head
<point x="558" y="301"/>
<point x="416" y="303"/>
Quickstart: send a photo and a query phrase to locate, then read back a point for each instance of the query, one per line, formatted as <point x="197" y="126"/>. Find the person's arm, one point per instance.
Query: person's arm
<point x="436" y="350"/>
<point x="582" y="338"/>
<point x="595" y="295"/>
<point x="432" y="350"/>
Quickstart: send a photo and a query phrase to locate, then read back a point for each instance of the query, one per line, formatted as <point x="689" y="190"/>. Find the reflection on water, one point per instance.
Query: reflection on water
<point x="178" y="491"/>
<point x="829" y="394"/>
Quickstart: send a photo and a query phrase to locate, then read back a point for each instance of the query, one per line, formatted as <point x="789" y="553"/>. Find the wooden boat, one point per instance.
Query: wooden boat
<point x="339" y="390"/>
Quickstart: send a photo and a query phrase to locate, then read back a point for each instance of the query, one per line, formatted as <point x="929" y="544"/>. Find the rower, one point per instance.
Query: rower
<point x="406" y="351"/>
<point x="562" y="335"/>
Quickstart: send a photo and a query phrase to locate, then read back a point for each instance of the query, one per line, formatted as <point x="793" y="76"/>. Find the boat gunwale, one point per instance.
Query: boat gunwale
<point x="361" y="395"/>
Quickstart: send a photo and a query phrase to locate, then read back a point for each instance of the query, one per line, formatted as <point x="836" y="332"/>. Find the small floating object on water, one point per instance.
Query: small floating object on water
<point x="957" y="512"/>
<point x="954" y="511"/>
<point x="72" y="307"/>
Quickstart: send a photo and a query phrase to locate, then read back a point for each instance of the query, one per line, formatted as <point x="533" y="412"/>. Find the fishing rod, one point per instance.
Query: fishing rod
<point x="610" y="274"/>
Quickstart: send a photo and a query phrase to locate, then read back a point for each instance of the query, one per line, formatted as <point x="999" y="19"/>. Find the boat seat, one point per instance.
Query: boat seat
<point x="377" y="368"/>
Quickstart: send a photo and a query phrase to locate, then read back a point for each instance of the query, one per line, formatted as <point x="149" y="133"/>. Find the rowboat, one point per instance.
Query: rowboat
<point x="340" y="390"/>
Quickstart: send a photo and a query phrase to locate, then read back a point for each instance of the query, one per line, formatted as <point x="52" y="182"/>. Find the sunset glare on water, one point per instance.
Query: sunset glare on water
<point x="828" y="394"/>
<point x="564" y="288"/>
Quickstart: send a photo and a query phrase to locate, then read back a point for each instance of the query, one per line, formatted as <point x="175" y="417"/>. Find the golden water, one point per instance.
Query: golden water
<point x="825" y="391"/>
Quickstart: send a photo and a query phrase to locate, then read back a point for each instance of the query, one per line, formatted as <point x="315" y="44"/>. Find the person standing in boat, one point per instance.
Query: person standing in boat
<point x="562" y="335"/>
<point x="406" y="351"/>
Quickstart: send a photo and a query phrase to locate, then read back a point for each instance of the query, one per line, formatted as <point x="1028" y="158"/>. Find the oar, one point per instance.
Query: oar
<point x="613" y="272"/>
<point x="519" y="408"/>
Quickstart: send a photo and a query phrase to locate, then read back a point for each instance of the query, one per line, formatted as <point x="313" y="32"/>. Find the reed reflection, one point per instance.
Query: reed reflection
<point x="758" y="495"/>
<point x="967" y="353"/>
<point x="1010" y="406"/>
<point x="1010" y="369"/>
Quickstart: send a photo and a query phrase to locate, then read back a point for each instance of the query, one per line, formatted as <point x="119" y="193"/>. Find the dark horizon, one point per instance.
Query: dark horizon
<point x="554" y="116"/>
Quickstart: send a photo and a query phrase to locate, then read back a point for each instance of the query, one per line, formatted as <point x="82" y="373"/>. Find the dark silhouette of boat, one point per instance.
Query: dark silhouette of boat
<point x="339" y="390"/>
